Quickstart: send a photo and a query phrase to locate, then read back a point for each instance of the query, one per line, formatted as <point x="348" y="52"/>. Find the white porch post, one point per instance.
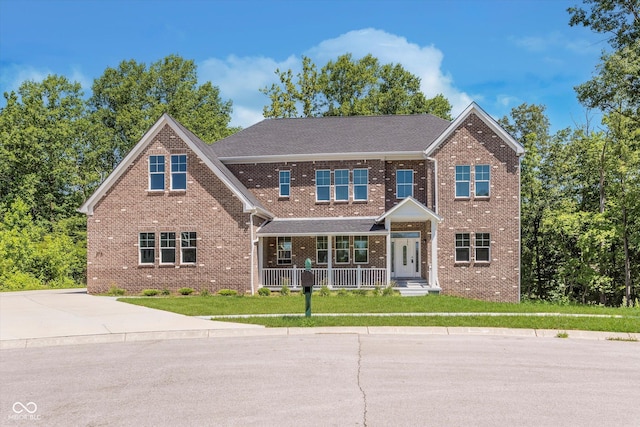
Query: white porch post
<point x="329" y="261"/>
<point x="260" y="261"/>
<point x="387" y="225"/>
<point x="433" y="280"/>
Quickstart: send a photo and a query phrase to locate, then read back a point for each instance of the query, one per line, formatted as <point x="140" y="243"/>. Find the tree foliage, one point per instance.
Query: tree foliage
<point x="350" y="87"/>
<point x="55" y="148"/>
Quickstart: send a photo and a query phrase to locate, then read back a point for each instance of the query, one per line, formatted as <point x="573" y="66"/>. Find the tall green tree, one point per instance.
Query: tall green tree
<point x="128" y="99"/>
<point x="347" y="87"/>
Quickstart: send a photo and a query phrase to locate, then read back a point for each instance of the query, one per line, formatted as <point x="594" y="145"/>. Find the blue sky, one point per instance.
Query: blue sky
<point x="499" y="53"/>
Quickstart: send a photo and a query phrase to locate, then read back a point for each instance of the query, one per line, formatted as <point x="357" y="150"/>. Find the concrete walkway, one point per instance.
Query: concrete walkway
<point x="71" y="316"/>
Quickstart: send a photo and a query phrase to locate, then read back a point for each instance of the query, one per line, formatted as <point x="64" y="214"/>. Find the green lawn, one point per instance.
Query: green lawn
<point x="217" y="305"/>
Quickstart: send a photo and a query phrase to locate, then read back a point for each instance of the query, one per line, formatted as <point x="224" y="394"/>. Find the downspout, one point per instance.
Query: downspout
<point x="251" y="250"/>
<point x="434" y="226"/>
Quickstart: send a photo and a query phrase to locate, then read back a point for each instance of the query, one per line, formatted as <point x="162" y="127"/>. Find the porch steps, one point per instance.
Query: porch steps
<point x="415" y="287"/>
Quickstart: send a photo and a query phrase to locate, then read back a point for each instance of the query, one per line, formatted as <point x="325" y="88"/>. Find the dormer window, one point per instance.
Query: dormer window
<point x="156" y="173"/>
<point x="179" y="172"/>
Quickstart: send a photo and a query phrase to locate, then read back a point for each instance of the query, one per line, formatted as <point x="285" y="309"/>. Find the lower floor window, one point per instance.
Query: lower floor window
<point x="342" y="249"/>
<point x="483" y="247"/>
<point x="167" y="248"/>
<point x="361" y="249"/>
<point x="188" y="247"/>
<point x="284" y="250"/>
<point x="147" y="245"/>
<point x="463" y="249"/>
<point x="322" y="250"/>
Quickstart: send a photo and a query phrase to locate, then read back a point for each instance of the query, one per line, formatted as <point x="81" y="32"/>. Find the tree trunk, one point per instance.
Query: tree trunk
<point x="627" y="261"/>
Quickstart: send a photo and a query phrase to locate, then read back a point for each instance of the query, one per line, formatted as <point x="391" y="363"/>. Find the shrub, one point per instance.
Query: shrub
<point x="324" y="291"/>
<point x="343" y="293"/>
<point x="165" y="292"/>
<point x="150" y="292"/>
<point x="185" y="291"/>
<point x="116" y="291"/>
<point x="227" y="292"/>
<point x="205" y="293"/>
<point x="377" y="290"/>
<point x="389" y="291"/>
<point x="264" y="292"/>
<point x="285" y="291"/>
<point x="360" y="292"/>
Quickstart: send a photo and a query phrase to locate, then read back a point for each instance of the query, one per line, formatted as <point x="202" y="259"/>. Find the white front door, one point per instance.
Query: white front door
<point x="405" y="257"/>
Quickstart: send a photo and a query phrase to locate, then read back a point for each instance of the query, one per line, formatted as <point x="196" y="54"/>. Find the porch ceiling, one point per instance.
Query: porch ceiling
<point x="321" y="226"/>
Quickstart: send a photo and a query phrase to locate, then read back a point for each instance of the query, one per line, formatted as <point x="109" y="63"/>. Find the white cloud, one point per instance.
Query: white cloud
<point x="13" y="75"/>
<point x="555" y="41"/>
<point x="240" y="78"/>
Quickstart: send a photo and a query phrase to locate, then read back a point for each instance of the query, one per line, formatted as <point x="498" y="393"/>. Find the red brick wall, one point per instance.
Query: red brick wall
<point x="207" y="207"/>
<point x="471" y="144"/>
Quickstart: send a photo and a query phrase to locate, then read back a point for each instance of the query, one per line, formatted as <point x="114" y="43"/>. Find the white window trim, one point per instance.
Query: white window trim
<point x="358" y="249"/>
<point x="456" y="181"/>
<point x="168" y="247"/>
<point x="278" y="258"/>
<point x="164" y="163"/>
<point x="280" y="173"/>
<point x="476" y="181"/>
<point x="182" y="262"/>
<point x="336" y="249"/>
<point x="456" y="247"/>
<point x="171" y="172"/>
<point x="324" y="250"/>
<point x="335" y="186"/>
<point x="140" y="248"/>
<point x="476" y="247"/>
<point x="365" y="185"/>
<point x="404" y="184"/>
<point x="323" y="185"/>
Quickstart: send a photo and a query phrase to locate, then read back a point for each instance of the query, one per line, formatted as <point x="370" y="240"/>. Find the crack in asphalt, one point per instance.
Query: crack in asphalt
<point x="364" y="395"/>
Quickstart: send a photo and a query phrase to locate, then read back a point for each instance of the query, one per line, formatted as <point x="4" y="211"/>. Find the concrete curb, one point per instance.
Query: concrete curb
<point x="355" y="330"/>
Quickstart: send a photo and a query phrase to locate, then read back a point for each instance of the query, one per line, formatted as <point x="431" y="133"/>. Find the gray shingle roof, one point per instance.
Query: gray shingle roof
<point x="318" y="135"/>
<point x="312" y="227"/>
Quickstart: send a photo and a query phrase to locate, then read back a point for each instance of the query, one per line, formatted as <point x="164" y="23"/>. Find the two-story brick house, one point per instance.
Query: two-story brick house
<point x="413" y="200"/>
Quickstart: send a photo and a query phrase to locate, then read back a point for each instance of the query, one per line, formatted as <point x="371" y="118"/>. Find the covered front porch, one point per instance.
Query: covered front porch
<point x="398" y="248"/>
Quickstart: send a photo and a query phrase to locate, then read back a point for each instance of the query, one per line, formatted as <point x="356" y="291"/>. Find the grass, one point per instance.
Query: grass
<point x="203" y="306"/>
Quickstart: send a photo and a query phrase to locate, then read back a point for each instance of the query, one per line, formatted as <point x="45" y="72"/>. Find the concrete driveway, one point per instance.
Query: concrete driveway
<point x="71" y="316"/>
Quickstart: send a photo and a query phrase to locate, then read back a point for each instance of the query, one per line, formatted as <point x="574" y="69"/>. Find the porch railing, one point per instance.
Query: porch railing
<point x="358" y="277"/>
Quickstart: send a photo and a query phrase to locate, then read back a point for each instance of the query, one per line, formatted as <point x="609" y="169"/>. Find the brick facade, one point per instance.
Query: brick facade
<point x="228" y="248"/>
<point x="207" y="207"/>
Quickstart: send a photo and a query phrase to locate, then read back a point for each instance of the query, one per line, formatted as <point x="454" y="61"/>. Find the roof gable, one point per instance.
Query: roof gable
<point x="409" y="210"/>
<point x="248" y="200"/>
<point x="474" y="108"/>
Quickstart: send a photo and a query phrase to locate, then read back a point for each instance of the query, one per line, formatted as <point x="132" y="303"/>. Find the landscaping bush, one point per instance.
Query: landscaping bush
<point x="205" y="293"/>
<point x="377" y="290"/>
<point x="324" y="291"/>
<point x="165" y="292"/>
<point x="285" y="291"/>
<point x="150" y="292"/>
<point x="389" y="291"/>
<point x="343" y="293"/>
<point x="264" y="292"/>
<point x="227" y="292"/>
<point x="185" y="291"/>
<point x="360" y="292"/>
<point x="116" y="291"/>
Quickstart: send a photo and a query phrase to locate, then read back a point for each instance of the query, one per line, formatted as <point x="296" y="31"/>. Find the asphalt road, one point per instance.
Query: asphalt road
<point x="325" y="380"/>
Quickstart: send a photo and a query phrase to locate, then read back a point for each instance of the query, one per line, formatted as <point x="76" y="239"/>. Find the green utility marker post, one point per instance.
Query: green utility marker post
<point x="307" y="287"/>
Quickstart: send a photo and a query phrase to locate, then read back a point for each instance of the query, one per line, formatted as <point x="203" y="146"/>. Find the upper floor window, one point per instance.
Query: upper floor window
<point x="361" y="249"/>
<point x="463" y="247"/>
<point x="284" y="250"/>
<point x="341" y="182"/>
<point x="482" y="181"/>
<point x="285" y="183"/>
<point x="404" y="183"/>
<point x="147" y="248"/>
<point x="483" y="247"/>
<point x="360" y="184"/>
<point x="179" y="172"/>
<point x="323" y="185"/>
<point x="188" y="247"/>
<point x="463" y="179"/>
<point x="156" y="172"/>
<point x="322" y="249"/>
<point x="342" y="249"/>
<point x="168" y="248"/>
